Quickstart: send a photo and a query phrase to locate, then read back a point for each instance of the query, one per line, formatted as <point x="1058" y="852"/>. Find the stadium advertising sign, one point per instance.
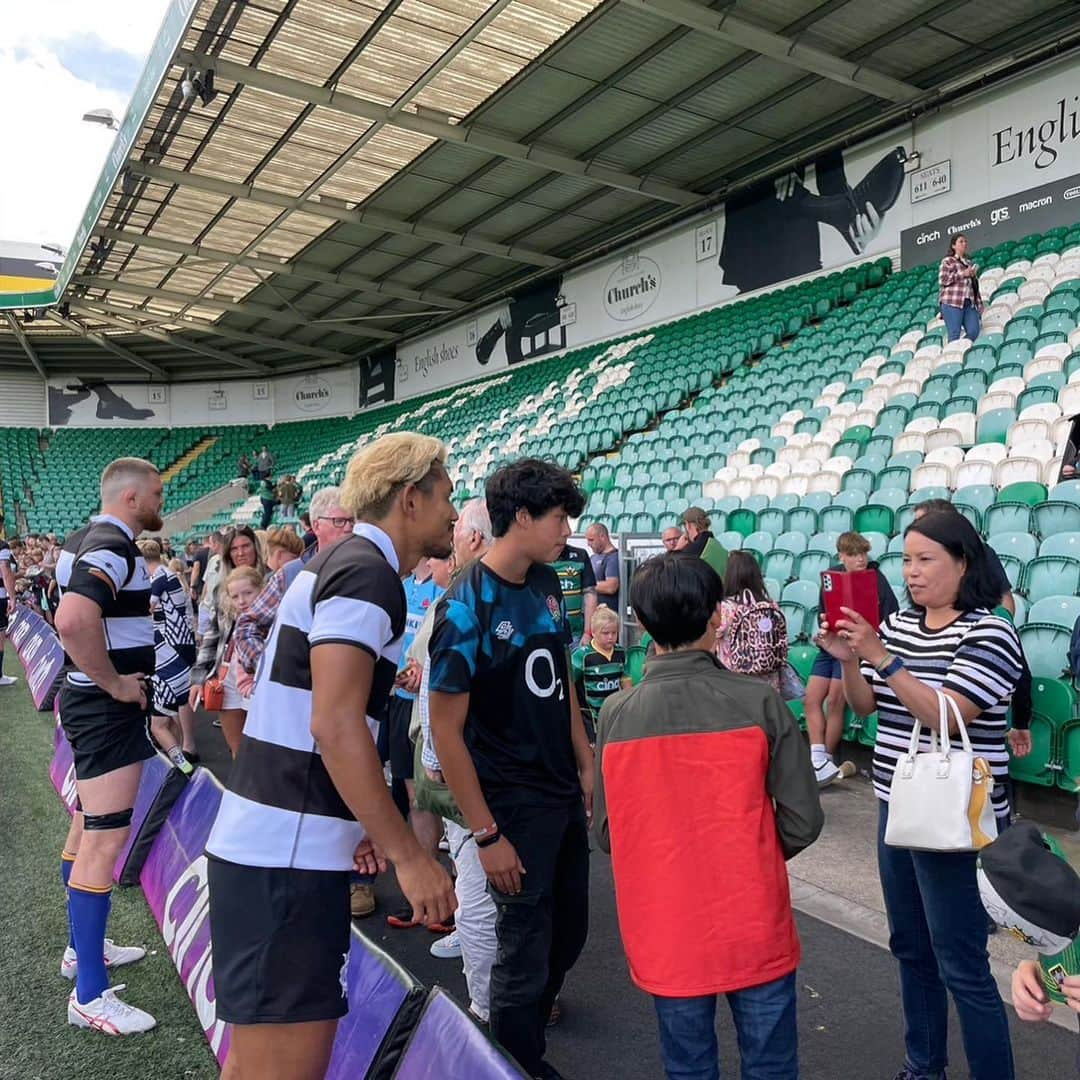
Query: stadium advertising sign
<point x="62" y="770"/>
<point x="174" y="880"/>
<point x="1033" y="211"/>
<point x="40" y="652"/>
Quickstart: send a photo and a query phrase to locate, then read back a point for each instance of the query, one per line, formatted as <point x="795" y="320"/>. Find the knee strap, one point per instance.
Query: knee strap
<point x="119" y="819"/>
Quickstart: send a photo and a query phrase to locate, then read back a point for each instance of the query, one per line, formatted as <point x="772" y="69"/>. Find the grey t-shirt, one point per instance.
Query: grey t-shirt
<point x="604" y="567"/>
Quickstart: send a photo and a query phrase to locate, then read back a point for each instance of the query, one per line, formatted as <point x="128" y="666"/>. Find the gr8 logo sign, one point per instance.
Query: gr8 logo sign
<point x="540" y="675"/>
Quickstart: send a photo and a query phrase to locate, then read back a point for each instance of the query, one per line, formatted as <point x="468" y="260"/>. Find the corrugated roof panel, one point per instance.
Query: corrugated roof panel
<point x="619" y="35"/>
<point x="773" y="15"/>
<point x="652" y="140"/>
<point x="532" y="102"/>
<point x="606" y="114"/>
<point x="692" y="58"/>
<point x="852" y="26"/>
<point x="925" y="48"/>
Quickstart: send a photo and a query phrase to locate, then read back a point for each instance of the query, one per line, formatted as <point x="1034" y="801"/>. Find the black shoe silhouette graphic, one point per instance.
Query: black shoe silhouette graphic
<point x="881" y="186"/>
<point x="112" y="406"/>
<point x="61" y="403"/>
<point x="486" y="345"/>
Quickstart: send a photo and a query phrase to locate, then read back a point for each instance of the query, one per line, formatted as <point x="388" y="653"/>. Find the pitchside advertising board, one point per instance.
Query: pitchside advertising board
<point x="40" y="653"/>
<point x="1033" y="211"/>
<point x="385" y="1001"/>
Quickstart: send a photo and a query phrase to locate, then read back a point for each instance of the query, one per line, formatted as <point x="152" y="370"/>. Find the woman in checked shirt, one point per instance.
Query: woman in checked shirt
<point x="959" y="298"/>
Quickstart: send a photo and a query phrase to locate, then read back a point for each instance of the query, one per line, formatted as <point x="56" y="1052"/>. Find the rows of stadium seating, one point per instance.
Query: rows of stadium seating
<point x="583" y="403"/>
<point x="852" y="410"/>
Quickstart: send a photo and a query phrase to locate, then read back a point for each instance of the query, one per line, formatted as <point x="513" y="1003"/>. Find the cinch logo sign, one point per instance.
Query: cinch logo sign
<point x="632" y="288"/>
<point x="185" y="928"/>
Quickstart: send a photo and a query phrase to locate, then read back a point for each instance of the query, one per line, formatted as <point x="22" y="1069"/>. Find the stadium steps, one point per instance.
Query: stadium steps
<point x="188" y="457"/>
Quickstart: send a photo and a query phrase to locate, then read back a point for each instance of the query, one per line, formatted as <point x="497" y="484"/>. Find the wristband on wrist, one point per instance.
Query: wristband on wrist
<point x="890" y="667"/>
<point x="487" y="830"/>
<point x="487" y="841"/>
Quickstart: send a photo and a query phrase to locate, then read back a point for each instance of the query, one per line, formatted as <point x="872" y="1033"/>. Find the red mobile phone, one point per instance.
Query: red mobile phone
<point x="855" y="589"/>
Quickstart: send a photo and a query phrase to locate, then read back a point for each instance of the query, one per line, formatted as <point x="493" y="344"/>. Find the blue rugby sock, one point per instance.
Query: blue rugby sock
<point x="67" y="861"/>
<point x="89" y="916"/>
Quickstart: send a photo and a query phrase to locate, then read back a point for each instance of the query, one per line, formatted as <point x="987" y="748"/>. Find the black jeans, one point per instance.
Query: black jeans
<point x="542" y="930"/>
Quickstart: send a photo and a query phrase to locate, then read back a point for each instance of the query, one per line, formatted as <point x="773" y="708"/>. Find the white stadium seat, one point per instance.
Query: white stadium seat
<point x="797" y="485"/>
<point x="996" y="399"/>
<point x="992" y="452"/>
<point x="925" y="424"/>
<point x="1018" y="470"/>
<point x="1039" y="449"/>
<point x="910" y="440"/>
<point x="823" y="481"/>
<point x="964" y="423"/>
<point x="1027" y="431"/>
<point x="931" y="474"/>
<point x="974" y="472"/>
<point x="946" y="455"/>
<point x="943" y="438"/>
<point x="1044" y="410"/>
<point x="1051" y="471"/>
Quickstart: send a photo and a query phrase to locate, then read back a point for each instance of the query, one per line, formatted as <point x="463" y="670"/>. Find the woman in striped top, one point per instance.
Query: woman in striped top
<point x="946" y="641"/>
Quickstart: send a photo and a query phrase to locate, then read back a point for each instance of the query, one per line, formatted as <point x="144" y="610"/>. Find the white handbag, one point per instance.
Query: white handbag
<point x="940" y="800"/>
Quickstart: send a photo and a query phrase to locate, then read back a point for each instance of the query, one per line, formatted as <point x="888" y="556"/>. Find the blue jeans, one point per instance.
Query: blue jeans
<point x="765" y="1024"/>
<point x="957" y="319"/>
<point x="937" y="931"/>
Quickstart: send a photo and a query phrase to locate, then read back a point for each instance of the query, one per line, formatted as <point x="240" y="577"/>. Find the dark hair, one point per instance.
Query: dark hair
<point x="743" y="574"/>
<point x="979" y="587"/>
<point x="697" y="517"/>
<point x="533" y="485"/>
<point x="226" y="556"/>
<point x="673" y="596"/>
<point x="936" y="506"/>
<point x="952" y="242"/>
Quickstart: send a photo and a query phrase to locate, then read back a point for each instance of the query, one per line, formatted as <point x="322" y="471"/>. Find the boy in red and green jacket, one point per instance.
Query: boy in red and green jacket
<point x="704" y="773"/>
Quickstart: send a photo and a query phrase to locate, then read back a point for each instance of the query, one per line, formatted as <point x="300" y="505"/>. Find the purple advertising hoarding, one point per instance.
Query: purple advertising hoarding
<point x="62" y="769"/>
<point x="174" y="880"/>
<point x="448" y="1045"/>
<point x="153" y="779"/>
<point x="39" y="650"/>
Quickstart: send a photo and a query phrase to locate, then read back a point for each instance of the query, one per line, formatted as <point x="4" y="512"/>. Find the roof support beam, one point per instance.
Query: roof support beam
<point x="96" y="307"/>
<point x="103" y="342"/>
<point x="462" y="134"/>
<point x="785" y="49"/>
<point x="298" y="269"/>
<point x="246" y="307"/>
<point x="21" y="338"/>
<point x="176" y="341"/>
<point x="373" y="219"/>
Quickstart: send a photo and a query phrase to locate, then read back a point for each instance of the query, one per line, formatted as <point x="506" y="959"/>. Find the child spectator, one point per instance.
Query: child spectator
<point x="599" y="667"/>
<point x="752" y="636"/>
<point x="824" y="700"/>
<point x="661" y="749"/>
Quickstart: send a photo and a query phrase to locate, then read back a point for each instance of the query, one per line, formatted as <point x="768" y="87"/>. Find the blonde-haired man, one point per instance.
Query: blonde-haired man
<point x="104" y="624"/>
<point x="307" y="800"/>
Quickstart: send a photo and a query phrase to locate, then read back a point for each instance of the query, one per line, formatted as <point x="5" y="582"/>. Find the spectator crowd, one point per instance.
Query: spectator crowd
<point x="504" y="722"/>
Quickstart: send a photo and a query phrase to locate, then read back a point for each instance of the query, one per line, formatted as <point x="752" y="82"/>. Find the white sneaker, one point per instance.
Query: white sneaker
<point x="109" y="1014"/>
<point x="826" y="772"/>
<point x="8" y="680"/>
<point x="446" y="948"/>
<point x="115" y="956"/>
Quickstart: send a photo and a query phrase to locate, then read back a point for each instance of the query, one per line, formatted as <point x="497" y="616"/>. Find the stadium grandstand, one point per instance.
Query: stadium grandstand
<point x="689" y="251"/>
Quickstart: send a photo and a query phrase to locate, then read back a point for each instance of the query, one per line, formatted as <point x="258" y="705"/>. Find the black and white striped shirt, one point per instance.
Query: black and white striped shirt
<point x="281" y="808"/>
<point x="171" y="609"/>
<point x="978" y="657"/>
<point x="5" y="557"/>
<point x="102" y="563"/>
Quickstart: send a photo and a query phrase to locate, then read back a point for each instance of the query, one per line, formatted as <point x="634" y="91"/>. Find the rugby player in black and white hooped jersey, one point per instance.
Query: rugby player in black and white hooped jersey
<point x="105" y="627"/>
<point x="307" y="800"/>
<point x="7" y="601"/>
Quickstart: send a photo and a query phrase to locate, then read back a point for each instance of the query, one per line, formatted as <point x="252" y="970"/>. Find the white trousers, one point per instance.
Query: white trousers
<point x="475" y="918"/>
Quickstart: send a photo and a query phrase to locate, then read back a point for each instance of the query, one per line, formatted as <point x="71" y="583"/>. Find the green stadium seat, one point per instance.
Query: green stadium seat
<point x="1061" y="543"/>
<point x="795" y="617"/>
<point x="1030" y="493"/>
<point x="1051" y="576"/>
<point x="1053" y="707"/>
<point x="1004" y="517"/>
<point x="879" y="519"/>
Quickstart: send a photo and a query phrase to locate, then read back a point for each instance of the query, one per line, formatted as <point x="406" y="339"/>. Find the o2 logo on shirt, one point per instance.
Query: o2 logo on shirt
<point x="540" y="676"/>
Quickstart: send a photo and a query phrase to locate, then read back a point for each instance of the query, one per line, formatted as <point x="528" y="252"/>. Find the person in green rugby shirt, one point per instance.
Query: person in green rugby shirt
<point x="599" y="667"/>
<point x="578" y="582"/>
